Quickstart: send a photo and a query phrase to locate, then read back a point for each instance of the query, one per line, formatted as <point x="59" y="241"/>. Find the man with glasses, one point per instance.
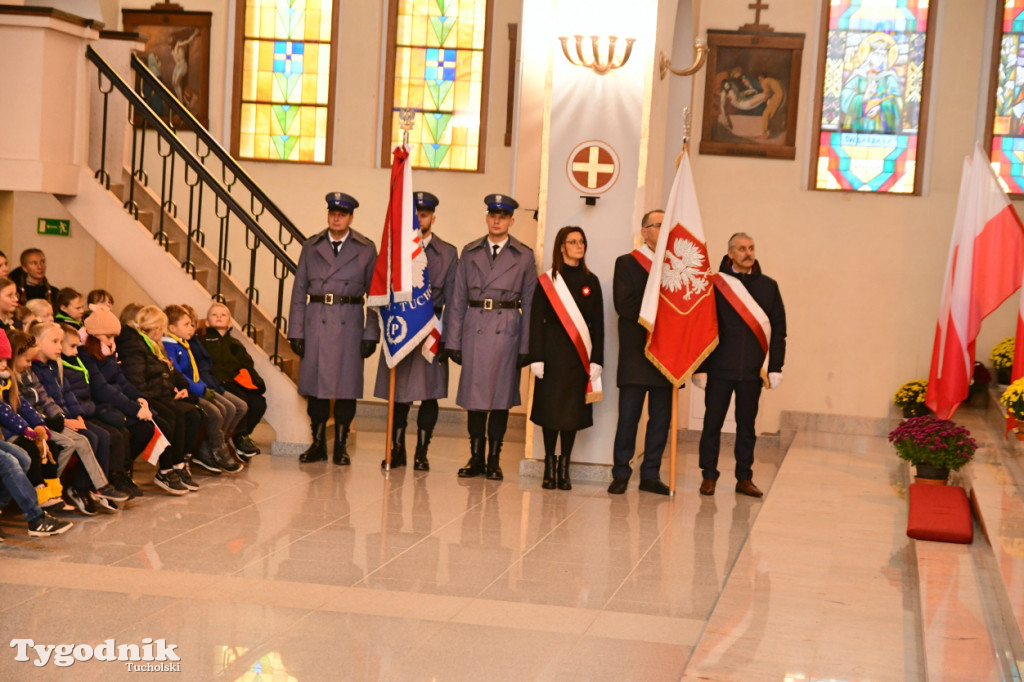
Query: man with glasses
<point x="486" y="330"/>
<point x="637" y="377"/>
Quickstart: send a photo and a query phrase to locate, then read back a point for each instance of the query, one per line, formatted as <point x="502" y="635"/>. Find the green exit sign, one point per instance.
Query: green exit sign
<point x="60" y="228"/>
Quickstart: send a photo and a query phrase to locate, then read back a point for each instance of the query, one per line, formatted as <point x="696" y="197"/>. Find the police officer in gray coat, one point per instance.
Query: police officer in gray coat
<point x="487" y="329"/>
<point x="327" y="326"/>
<point x="415" y="377"/>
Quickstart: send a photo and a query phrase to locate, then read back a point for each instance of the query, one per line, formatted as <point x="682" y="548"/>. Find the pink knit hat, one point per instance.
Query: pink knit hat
<point x="5" y="346"/>
<point x="102" y="321"/>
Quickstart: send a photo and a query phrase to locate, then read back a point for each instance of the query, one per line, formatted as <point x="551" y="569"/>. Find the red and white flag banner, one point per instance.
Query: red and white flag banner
<point x="156" y="446"/>
<point x="984" y="267"/>
<point x="569" y="315"/>
<point x="750" y="311"/>
<point x="432" y="344"/>
<point x="679" y="302"/>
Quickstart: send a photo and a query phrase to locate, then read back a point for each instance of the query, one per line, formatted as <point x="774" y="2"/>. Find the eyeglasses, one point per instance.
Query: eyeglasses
<point x="575" y="242"/>
<point x="652" y="225"/>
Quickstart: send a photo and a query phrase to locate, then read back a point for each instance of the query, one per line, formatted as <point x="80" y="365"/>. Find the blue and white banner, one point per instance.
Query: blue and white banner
<point x="401" y="288"/>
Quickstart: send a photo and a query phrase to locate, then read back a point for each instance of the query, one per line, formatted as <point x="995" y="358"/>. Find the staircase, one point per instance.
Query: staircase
<point x="185" y="223"/>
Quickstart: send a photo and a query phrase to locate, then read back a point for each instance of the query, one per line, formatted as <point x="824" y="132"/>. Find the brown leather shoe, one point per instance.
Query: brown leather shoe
<point x="748" y="488"/>
<point x="707" y="487"/>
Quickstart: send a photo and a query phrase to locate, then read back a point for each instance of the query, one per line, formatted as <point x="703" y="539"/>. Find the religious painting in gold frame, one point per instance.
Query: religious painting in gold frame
<point x="177" y="51"/>
<point x="751" y="94"/>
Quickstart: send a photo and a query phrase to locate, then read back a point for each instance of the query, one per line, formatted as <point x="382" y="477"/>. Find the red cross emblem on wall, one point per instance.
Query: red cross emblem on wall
<point x="592" y="167"/>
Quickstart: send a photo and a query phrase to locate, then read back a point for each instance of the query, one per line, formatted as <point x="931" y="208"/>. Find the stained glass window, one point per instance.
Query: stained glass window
<point x="283" y="98"/>
<point x="1006" y="101"/>
<point x="439" y="70"/>
<point x="871" y="130"/>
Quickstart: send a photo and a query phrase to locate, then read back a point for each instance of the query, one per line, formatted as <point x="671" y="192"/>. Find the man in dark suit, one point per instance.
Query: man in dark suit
<point x="740" y="364"/>
<point x="417" y="378"/>
<point x="327" y="327"/>
<point x="487" y="330"/>
<point x="637" y="377"/>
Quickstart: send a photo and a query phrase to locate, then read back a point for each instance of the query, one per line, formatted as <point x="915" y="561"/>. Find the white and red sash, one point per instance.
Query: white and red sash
<point x="752" y="313"/>
<point x="432" y="344"/>
<point x="643" y="259"/>
<point x="572" y="320"/>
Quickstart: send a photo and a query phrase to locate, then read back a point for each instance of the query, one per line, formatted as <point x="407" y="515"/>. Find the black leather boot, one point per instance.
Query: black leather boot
<point x="340" y="444"/>
<point x="422" y="443"/>
<point x="475" y="466"/>
<point x="549" y="473"/>
<point x="493" y="457"/>
<point x="397" y="449"/>
<point x="563" y="473"/>
<point x="317" y="451"/>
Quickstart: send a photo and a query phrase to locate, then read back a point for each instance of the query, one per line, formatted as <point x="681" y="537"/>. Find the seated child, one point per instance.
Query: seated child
<point x="8" y="302"/>
<point x="41" y="308"/>
<point x="23" y="318"/>
<point x="70" y="308"/>
<point x="48" y="391"/>
<point x="99" y="298"/>
<point x="234" y="368"/>
<point x="145" y="364"/>
<point x="14" y="484"/>
<point x="102" y="419"/>
<point x="22" y="425"/>
<point x="220" y="412"/>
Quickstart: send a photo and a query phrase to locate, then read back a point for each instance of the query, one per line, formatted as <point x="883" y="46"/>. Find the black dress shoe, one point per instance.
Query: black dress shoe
<point x="748" y="488"/>
<point x="618" y="486"/>
<point x="655" y="486"/>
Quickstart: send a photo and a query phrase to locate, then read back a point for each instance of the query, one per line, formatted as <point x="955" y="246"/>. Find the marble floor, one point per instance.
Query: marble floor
<point x="318" y="572"/>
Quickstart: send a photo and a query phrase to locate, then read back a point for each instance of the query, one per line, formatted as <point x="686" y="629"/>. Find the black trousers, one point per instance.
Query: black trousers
<point x="181" y="423"/>
<point x="257" y="407"/>
<point x="659" y="417"/>
<point x="426" y="419"/>
<point x="716" y="404"/>
<point x="319" y="409"/>
<point x="493" y="428"/>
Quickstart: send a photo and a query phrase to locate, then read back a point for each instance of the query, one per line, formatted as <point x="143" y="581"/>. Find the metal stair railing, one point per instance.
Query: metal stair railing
<point x="199" y="179"/>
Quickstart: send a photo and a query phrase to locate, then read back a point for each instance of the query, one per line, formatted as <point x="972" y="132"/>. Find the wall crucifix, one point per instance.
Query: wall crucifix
<point x="757" y="6"/>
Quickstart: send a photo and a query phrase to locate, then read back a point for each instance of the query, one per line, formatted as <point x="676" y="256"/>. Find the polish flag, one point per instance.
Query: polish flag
<point x="156" y="446"/>
<point x="678" y="307"/>
<point x="985" y="265"/>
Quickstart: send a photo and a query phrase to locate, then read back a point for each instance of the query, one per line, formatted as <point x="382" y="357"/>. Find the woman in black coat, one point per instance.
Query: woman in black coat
<point x="560" y="405"/>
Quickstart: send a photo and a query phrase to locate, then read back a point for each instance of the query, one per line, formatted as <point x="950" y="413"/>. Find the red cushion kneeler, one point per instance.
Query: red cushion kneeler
<point x="941" y="513"/>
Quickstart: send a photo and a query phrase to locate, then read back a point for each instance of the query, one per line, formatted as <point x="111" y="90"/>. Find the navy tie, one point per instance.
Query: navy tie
<point x="494" y="253"/>
<point x="336" y="246"/>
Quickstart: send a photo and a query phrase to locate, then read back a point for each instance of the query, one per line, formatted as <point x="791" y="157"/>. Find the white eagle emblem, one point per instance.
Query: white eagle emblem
<point x="684" y="269"/>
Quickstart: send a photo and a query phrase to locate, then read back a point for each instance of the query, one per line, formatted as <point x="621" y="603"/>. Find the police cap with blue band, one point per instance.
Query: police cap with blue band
<point x="425" y="200"/>
<point x="500" y="203"/>
<point x="339" y="201"/>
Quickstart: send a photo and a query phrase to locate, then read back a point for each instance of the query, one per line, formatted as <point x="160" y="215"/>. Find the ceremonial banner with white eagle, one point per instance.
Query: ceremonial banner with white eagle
<point x="679" y="302"/>
<point x="400" y="288"/>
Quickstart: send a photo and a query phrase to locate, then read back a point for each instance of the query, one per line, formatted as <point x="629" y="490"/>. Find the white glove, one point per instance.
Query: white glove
<point x="699" y="380"/>
<point x="538" y="369"/>
<point x="595" y="371"/>
<point x="774" y="379"/>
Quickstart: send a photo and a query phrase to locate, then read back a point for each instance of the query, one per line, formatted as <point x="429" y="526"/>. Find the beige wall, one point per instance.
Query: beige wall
<point x="860" y="274"/>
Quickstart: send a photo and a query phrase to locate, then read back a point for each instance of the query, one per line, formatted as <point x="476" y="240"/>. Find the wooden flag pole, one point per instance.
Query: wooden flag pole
<point x="391" y="419"/>
<point x="673" y="438"/>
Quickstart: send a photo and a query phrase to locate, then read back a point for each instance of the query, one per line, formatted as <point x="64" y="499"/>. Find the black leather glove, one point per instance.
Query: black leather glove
<point x="455" y="356"/>
<point x="298" y="346"/>
<point x="439" y="310"/>
<point x="55" y="423"/>
<point x="367" y="348"/>
<point x="524" y="360"/>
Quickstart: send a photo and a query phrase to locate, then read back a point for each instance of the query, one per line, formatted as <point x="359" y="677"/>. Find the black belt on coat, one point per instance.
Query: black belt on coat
<point x="331" y="299"/>
<point x="491" y="304"/>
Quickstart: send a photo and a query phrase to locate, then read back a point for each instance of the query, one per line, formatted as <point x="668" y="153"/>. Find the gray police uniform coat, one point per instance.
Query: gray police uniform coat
<point x="491" y="340"/>
<point x="332" y="366"/>
<point x="415" y="378"/>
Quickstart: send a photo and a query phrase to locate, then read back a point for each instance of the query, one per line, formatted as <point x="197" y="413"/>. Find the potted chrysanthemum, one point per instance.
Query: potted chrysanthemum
<point x="1001" y="358"/>
<point x="1013" y="400"/>
<point x="910" y="398"/>
<point x="934" y="446"/>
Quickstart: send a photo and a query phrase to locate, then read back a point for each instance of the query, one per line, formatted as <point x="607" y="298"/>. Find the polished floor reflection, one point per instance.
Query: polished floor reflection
<point x="317" y="572"/>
